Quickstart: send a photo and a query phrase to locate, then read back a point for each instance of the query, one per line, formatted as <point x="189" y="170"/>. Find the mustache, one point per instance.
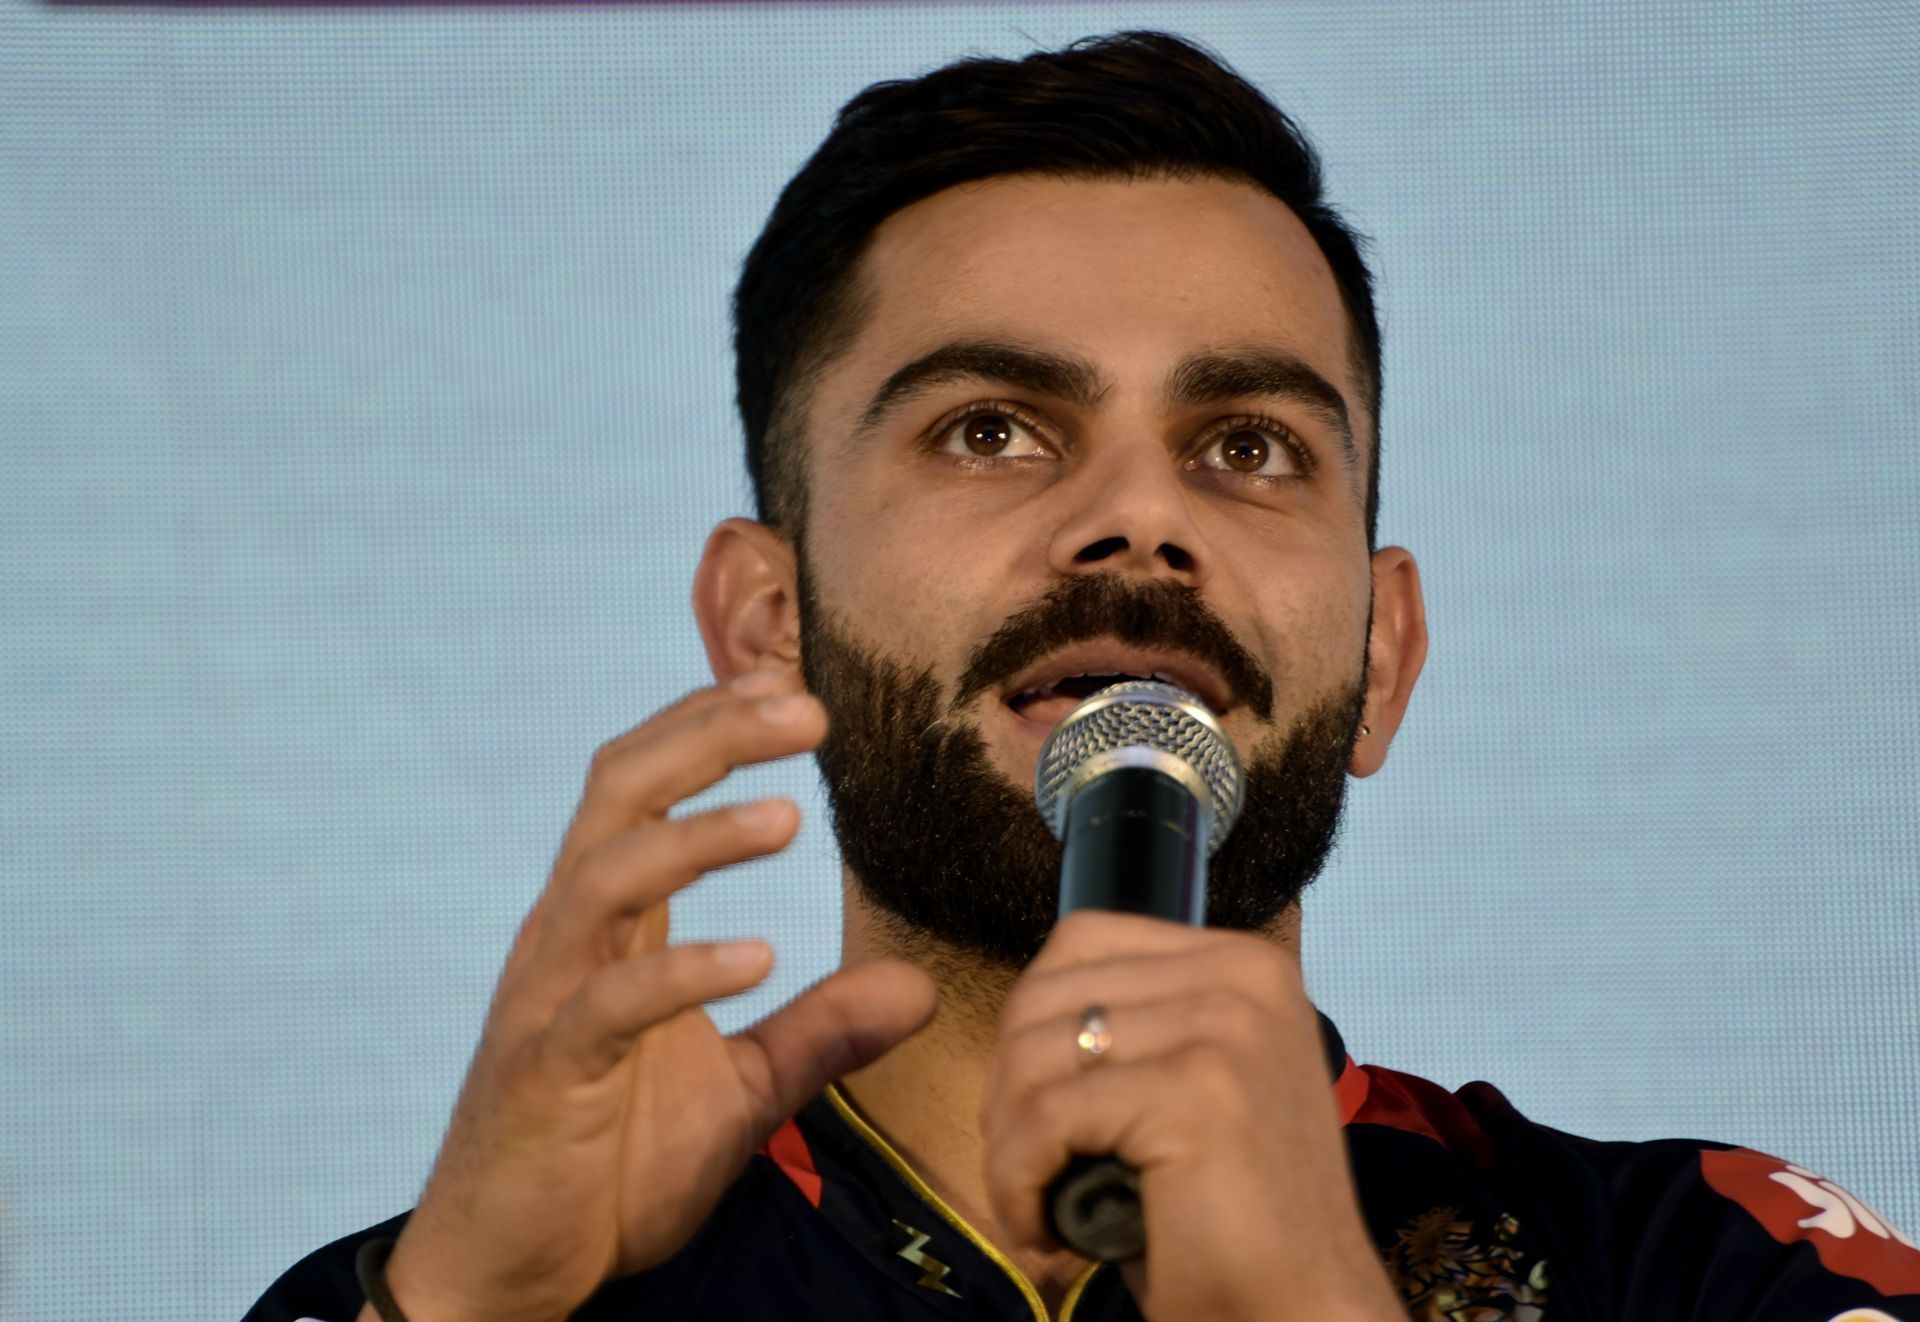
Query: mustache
<point x="1156" y="613"/>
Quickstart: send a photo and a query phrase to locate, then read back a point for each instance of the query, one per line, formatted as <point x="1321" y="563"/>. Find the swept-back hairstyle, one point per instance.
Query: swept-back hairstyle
<point x="1132" y="105"/>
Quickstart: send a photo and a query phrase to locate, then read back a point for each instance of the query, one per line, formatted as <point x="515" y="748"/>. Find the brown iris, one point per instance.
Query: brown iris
<point x="986" y="433"/>
<point x="1245" y="451"/>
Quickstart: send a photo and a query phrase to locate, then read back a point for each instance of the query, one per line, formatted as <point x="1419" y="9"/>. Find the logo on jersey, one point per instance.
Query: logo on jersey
<point x="1448" y="1270"/>
<point x="933" y="1272"/>
<point x="1793" y="1204"/>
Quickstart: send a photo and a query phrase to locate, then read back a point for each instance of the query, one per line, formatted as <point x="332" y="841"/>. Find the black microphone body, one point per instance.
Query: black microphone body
<point x="1135" y="842"/>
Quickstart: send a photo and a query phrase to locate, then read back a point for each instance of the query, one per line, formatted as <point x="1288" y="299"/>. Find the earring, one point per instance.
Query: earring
<point x="1364" y="730"/>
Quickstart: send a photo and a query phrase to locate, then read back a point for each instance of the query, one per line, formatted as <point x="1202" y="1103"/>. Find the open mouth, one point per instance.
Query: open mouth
<point x="1075" y="687"/>
<point x="1047" y="704"/>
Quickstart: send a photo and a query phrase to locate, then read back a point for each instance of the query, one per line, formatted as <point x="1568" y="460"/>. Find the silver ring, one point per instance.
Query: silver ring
<point x="1095" y="1037"/>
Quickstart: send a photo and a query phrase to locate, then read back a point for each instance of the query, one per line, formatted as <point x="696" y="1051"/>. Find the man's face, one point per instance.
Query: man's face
<point x="1087" y="427"/>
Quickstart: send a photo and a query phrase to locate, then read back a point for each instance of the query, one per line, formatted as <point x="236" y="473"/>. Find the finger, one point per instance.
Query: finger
<point x="1140" y="1112"/>
<point x="596" y="1026"/>
<point x="683" y="750"/>
<point x="847" y="1020"/>
<point x="1090" y="934"/>
<point x="625" y="874"/>
<point x="753" y="684"/>
<point x="1252" y="967"/>
<point x="1042" y="1052"/>
<point x="606" y="808"/>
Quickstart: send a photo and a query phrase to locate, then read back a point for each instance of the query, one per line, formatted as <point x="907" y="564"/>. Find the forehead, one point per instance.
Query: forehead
<point x="1133" y="274"/>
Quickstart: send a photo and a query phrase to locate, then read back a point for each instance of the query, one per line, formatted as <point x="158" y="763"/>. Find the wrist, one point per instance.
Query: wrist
<point x="401" y="1287"/>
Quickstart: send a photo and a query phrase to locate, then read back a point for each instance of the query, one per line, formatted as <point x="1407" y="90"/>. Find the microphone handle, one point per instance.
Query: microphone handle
<point x="1135" y="842"/>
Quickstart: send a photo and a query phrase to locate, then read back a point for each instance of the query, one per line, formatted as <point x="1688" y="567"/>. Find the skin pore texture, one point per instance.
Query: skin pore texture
<point x="988" y="520"/>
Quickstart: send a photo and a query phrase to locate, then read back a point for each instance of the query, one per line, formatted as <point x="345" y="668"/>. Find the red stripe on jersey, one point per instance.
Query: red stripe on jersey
<point x="1350" y="1091"/>
<point x="1795" y="1204"/>
<point x="1414" y="1106"/>
<point x="789" y="1152"/>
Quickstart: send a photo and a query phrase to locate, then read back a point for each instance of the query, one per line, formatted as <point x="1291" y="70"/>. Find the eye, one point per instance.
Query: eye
<point x="988" y="431"/>
<point x="1255" y="447"/>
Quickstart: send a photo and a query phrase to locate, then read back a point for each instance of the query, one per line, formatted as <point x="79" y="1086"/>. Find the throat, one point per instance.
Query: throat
<point x="933" y="1127"/>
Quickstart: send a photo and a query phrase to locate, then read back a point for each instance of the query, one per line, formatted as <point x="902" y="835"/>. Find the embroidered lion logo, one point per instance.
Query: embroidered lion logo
<point x="1446" y="1276"/>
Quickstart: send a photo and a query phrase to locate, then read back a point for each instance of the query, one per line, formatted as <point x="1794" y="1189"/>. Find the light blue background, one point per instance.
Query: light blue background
<point x="365" y="394"/>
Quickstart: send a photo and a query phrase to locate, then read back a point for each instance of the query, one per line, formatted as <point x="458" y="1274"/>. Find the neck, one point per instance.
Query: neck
<point x="924" y="1095"/>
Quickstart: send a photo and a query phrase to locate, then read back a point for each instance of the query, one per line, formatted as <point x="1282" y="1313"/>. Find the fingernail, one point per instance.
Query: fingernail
<point x="755" y="683"/>
<point x="742" y="954"/>
<point x="785" y="710"/>
<point x="758" y="816"/>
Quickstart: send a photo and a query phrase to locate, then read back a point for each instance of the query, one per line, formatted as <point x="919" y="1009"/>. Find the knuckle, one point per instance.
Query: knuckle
<point x="1226" y="1013"/>
<point x="600" y="1000"/>
<point x="1081" y="925"/>
<point x="1040" y="1109"/>
<point x="1260" y="966"/>
<point x="1208" y="1070"/>
<point x="606" y="875"/>
<point x="593" y="876"/>
<point x="606" y="756"/>
<point x="600" y="875"/>
<point x="611" y="774"/>
<point x="1027" y="1059"/>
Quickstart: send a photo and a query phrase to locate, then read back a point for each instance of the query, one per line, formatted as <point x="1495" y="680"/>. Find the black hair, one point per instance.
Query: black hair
<point x="1130" y="105"/>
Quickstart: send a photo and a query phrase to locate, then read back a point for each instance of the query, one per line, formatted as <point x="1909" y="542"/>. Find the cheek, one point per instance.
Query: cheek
<point x="1313" y="621"/>
<point x="899" y="582"/>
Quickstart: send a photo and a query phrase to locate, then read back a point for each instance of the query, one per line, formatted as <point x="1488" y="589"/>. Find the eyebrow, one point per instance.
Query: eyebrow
<point x="1072" y="379"/>
<point x="1213" y="378"/>
<point x="1199" y="379"/>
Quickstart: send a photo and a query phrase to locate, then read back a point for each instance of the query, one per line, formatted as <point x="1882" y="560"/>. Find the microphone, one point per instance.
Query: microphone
<point x="1140" y="784"/>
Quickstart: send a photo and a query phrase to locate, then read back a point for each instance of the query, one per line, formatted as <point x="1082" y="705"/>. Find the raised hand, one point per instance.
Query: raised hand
<point x="604" y="1114"/>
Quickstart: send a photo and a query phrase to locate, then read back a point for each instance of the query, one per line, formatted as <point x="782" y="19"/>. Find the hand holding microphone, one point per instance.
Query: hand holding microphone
<point x="1141" y="785"/>
<point x="1159" y="1095"/>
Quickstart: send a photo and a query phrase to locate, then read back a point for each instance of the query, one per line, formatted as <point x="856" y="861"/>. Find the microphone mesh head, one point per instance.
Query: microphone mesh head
<point x="1146" y="714"/>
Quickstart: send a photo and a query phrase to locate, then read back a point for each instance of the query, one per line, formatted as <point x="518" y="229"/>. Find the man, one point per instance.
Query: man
<point x="1051" y="371"/>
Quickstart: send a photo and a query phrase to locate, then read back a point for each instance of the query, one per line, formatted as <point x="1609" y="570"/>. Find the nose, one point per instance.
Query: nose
<point x="1130" y="512"/>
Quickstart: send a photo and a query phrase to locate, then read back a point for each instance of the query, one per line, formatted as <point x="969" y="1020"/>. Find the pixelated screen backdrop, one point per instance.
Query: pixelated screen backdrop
<point x="365" y="395"/>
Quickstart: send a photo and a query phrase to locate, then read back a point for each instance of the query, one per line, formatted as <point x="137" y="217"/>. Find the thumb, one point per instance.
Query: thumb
<point x="844" y="1021"/>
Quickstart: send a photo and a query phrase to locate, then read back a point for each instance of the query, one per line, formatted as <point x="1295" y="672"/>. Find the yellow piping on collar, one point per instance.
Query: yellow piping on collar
<point x="1078" y="1288"/>
<point x="859" y="1125"/>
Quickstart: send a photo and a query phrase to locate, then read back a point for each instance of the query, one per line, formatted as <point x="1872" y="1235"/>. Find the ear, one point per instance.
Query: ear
<point x="1396" y="649"/>
<point x="746" y="599"/>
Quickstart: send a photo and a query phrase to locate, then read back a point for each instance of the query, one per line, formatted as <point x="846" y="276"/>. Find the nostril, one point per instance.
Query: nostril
<point x="1101" y="549"/>
<point x="1175" y="557"/>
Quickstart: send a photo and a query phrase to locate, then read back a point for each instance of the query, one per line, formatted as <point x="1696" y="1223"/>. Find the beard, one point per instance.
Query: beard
<point x="954" y="858"/>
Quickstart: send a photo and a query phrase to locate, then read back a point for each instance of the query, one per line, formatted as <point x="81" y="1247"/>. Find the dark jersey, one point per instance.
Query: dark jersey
<point x="1478" y="1213"/>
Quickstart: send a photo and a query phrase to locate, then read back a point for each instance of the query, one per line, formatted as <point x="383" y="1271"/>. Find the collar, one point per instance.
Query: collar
<point x="888" y="1213"/>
